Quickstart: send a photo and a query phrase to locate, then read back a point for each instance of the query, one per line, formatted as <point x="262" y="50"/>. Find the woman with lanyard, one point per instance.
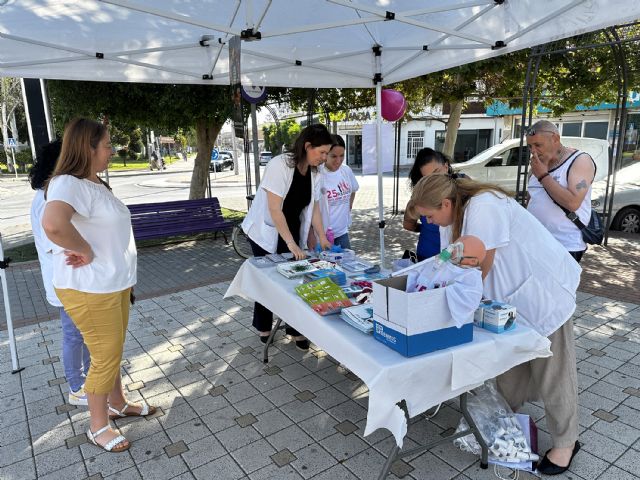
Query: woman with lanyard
<point x="529" y="269"/>
<point x="285" y="207"/>
<point x="339" y="187"/>
<point x="428" y="161"/>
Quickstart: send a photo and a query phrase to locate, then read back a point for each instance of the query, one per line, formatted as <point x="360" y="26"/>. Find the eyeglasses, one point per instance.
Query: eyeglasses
<point x="531" y="131"/>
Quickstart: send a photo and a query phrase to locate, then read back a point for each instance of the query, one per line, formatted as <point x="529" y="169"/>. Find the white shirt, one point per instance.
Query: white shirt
<point x="277" y="179"/>
<point x="44" y="247"/>
<point x="531" y="270"/>
<point x="552" y="216"/>
<point x="336" y="189"/>
<point x="105" y="223"/>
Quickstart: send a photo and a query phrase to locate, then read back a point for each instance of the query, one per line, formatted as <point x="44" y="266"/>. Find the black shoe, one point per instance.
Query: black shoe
<point x="264" y="338"/>
<point x="303" y="345"/>
<point x="547" y="467"/>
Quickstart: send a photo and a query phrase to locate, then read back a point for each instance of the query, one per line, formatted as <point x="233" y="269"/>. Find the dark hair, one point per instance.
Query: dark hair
<point x="424" y="157"/>
<point x="338" y="141"/>
<point x="45" y="163"/>
<point x="316" y="135"/>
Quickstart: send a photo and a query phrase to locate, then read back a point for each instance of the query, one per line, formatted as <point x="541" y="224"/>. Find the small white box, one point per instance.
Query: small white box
<point x="495" y="316"/>
<point x="415" y="323"/>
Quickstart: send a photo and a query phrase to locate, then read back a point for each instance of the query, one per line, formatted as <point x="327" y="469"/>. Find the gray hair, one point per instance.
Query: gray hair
<point x="542" y="126"/>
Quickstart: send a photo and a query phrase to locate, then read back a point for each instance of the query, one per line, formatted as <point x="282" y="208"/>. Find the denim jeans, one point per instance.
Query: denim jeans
<point x="75" y="355"/>
<point x="343" y="241"/>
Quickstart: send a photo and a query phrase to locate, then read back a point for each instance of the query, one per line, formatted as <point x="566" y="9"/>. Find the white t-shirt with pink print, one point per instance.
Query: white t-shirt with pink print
<point x="336" y="189"/>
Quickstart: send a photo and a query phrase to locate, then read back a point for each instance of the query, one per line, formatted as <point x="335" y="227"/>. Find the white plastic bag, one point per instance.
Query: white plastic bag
<point x="500" y="428"/>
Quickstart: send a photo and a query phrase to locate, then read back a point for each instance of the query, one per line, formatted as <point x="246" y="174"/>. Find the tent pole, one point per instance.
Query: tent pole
<point x="379" y="166"/>
<point x="254" y="135"/>
<point x="4" y="263"/>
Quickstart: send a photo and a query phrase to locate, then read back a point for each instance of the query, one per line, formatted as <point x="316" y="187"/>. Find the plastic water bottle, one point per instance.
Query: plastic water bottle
<point x="330" y="236"/>
<point x="453" y="251"/>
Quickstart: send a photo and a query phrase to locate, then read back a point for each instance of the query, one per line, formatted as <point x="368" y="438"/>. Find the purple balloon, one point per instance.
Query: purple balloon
<point x="393" y="105"/>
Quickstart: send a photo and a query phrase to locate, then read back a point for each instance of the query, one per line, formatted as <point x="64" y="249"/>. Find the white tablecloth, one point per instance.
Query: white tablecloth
<point x="422" y="381"/>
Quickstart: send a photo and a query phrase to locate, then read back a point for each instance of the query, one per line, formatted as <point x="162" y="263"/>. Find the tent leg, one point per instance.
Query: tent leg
<point x="381" y="224"/>
<point x="4" y="263"/>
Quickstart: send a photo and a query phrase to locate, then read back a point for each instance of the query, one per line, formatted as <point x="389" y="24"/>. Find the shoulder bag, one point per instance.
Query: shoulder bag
<point x="593" y="232"/>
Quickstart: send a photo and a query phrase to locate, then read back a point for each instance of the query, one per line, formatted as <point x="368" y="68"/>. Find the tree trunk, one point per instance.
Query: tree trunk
<point x="452" y="127"/>
<point x="206" y="134"/>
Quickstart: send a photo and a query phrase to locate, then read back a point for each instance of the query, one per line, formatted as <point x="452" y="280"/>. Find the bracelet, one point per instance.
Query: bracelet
<point x="546" y="174"/>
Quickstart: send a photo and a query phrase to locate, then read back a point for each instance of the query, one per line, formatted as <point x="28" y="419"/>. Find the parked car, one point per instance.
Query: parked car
<point x="264" y="158"/>
<point x="499" y="164"/>
<point x="626" y="199"/>
<point x="224" y="160"/>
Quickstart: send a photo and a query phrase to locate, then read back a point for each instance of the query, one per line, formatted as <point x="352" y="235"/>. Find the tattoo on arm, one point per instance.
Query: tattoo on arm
<point x="581" y="184"/>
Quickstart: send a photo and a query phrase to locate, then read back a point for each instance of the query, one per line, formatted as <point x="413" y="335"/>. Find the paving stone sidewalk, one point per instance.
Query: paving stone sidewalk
<point x="225" y="415"/>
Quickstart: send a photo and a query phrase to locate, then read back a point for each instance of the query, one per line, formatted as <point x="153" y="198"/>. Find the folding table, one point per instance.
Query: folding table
<point x="399" y="387"/>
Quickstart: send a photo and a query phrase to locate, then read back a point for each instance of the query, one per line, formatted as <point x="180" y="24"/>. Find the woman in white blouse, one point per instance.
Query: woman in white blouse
<point x="529" y="269"/>
<point x="94" y="270"/>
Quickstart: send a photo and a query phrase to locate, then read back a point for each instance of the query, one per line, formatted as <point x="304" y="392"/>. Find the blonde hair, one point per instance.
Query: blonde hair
<point x="431" y="190"/>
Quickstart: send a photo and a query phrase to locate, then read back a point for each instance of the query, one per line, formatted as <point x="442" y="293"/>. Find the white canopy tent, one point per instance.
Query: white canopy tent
<point x="288" y="43"/>
<point x="301" y="43"/>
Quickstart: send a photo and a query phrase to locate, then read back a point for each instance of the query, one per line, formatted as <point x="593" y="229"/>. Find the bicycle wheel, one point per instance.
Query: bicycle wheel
<point x="241" y="243"/>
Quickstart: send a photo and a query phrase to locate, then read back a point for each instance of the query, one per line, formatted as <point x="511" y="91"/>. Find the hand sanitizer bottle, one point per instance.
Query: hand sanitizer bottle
<point x="330" y="236"/>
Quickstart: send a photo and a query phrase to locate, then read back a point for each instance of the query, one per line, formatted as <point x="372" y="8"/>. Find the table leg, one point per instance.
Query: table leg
<point x="484" y="455"/>
<point x="395" y="453"/>
<point x="395" y="450"/>
<point x="265" y="351"/>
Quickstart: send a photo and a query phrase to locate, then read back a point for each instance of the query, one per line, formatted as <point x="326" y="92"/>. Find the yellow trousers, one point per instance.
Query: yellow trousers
<point x="102" y="318"/>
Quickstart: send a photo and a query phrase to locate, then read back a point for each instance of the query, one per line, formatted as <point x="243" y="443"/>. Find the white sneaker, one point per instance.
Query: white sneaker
<point x="78" y="398"/>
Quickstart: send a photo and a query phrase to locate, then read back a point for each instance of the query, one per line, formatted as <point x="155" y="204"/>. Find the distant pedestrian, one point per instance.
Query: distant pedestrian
<point x="75" y="355"/>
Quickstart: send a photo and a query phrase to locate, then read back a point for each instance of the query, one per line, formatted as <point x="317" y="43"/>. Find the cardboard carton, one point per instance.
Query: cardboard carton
<point x="495" y="316"/>
<point x="415" y="323"/>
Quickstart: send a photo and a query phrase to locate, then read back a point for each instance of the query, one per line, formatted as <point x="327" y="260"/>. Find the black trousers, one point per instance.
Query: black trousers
<point x="577" y="255"/>
<point x="262" y="316"/>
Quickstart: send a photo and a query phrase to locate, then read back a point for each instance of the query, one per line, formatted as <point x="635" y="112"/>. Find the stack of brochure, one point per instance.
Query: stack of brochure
<point x="324" y="296"/>
<point x="295" y="269"/>
<point x="355" y="266"/>
<point x="359" y="316"/>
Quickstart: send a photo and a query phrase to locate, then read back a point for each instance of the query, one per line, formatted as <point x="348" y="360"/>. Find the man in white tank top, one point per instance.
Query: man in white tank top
<point x="559" y="176"/>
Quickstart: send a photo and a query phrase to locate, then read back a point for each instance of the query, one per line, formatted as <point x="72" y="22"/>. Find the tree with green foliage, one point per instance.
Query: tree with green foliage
<point x="159" y="106"/>
<point x="279" y="137"/>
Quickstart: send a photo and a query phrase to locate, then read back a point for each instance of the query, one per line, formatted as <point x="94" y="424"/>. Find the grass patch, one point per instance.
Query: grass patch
<point x="117" y="163"/>
<point x="28" y="252"/>
<point x="23" y="253"/>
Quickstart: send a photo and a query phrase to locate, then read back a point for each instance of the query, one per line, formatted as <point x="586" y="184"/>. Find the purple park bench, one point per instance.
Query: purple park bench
<point x="182" y="217"/>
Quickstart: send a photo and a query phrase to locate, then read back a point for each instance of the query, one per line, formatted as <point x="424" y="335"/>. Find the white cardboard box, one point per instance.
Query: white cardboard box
<point x="414" y="323"/>
<point x="495" y="316"/>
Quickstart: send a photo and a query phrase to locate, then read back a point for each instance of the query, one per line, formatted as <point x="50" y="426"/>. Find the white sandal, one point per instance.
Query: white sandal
<point x="146" y="410"/>
<point x="111" y="445"/>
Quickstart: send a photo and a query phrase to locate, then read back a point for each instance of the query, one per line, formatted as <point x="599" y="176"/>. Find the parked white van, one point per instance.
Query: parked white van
<point x="499" y="164"/>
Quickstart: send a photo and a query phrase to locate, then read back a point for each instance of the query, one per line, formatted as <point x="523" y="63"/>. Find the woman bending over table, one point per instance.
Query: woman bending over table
<point x="94" y="270"/>
<point x="285" y="207"/>
<point x="528" y="268"/>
